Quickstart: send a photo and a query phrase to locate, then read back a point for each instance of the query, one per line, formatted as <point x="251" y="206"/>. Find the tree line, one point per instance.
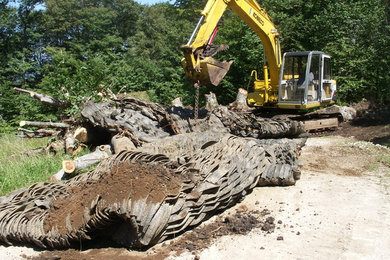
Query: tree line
<point x="74" y="49"/>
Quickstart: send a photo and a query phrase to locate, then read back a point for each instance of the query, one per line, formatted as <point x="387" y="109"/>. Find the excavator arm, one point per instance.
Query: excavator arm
<point x="204" y="70"/>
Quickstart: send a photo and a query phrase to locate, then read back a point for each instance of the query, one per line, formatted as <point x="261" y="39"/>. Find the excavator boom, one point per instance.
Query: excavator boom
<point x="205" y="70"/>
<point x="301" y="81"/>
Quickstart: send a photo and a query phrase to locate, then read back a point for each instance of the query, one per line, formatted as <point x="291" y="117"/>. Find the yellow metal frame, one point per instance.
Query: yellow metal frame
<point x="257" y="19"/>
<point x="304" y="106"/>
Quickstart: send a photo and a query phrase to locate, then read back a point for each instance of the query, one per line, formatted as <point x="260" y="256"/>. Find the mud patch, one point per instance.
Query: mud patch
<point x="239" y="223"/>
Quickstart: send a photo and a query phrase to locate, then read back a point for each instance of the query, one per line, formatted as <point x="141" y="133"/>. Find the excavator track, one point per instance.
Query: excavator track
<point x="323" y="120"/>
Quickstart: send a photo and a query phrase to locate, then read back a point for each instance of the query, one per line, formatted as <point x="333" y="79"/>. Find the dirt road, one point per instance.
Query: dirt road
<point x="335" y="211"/>
<point x="339" y="209"/>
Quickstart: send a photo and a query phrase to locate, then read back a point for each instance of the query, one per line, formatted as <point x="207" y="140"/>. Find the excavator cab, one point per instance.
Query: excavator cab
<point x="305" y="80"/>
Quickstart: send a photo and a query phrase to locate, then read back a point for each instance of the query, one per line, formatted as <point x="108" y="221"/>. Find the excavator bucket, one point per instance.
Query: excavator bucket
<point x="210" y="72"/>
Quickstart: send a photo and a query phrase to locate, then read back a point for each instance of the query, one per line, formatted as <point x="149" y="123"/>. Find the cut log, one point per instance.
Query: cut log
<point x="241" y="99"/>
<point x="26" y="130"/>
<point x="69" y="166"/>
<point x="79" y="148"/>
<point x="85" y="161"/>
<point x="240" y="103"/>
<point x="41" y="97"/>
<point x="177" y="102"/>
<point x="81" y="135"/>
<point x="121" y="143"/>
<point x="44" y="124"/>
<point x="211" y="101"/>
<point x="58" y="176"/>
<point x="69" y="143"/>
<point x="56" y="147"/>
<point x="47" y="132"/>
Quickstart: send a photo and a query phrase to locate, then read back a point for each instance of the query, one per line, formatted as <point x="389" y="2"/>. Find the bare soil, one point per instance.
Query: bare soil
<point x="372" y="124"/>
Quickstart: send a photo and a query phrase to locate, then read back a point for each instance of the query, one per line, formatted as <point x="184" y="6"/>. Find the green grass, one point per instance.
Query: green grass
<point x="18" y="170"/>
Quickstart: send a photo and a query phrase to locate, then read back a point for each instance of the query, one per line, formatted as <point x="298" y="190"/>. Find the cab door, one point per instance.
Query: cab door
<point x="313" y="77"/>
<point x="327" y="90"/>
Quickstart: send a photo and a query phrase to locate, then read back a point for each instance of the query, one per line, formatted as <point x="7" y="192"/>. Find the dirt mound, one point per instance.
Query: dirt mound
<point x="125" y="180"/>
<point x="371" y="124"/>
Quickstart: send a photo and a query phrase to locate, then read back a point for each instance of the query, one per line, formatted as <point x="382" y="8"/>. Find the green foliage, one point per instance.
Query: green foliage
<point x="72" y="50"/>
<point x="5" y="128"/>
<point x="246" y="51"/>
<point x="355" y="33"/>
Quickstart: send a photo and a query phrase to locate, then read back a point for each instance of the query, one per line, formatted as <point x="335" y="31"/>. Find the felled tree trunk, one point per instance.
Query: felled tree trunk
<point x="241" y="99"/>
<point x="41" y="97"/>
<point x="44" y="124"/>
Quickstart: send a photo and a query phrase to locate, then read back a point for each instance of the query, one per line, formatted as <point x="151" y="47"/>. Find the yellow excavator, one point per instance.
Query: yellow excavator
<point x="302" y="80"/>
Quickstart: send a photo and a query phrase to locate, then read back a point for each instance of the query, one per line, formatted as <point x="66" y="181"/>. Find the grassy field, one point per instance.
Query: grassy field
<point x="18" y="170"/>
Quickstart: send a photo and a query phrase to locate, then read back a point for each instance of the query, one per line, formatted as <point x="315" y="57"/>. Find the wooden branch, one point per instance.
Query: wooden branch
<point x="56" y="147"/>
<point x="32" y="152"/>
<point x="44" y="124"/>
<point x="58" y="176"/>
<point x="41" y="97"/>
<point x="38" y="133"/>
<point x="81" y="163"/>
